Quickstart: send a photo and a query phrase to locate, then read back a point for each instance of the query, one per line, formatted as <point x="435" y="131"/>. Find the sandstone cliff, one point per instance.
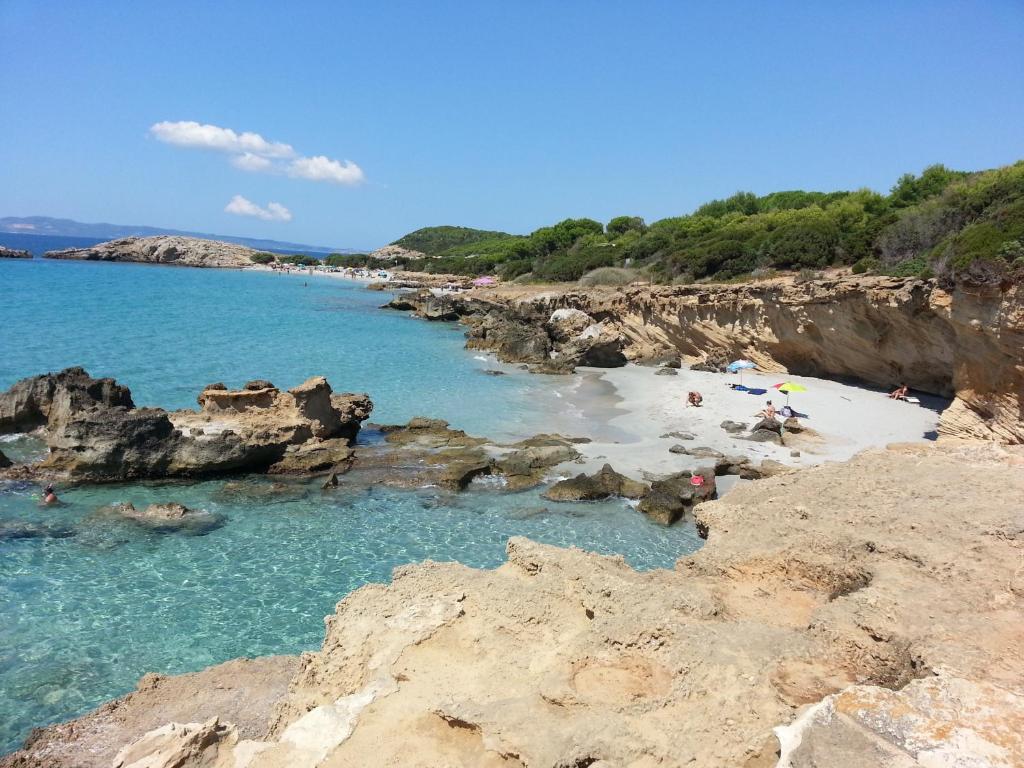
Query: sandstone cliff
<point x="967" y="344"/>
<point x="164" y="249"/>
<point x="871" y="611"/>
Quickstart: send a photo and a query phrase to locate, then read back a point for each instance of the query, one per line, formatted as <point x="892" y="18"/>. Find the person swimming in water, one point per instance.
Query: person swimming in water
<point x="50" y="495"/>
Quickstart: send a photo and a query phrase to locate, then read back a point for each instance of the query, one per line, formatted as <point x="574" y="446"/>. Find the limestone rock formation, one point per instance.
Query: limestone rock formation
<point x="242" y="692"/>
<point x="95" y="433"/>
<point x="964" y="342"/>
<point x="164" y="249"/>
<point x="13" y="253"/>
<point x="864" y="616"/>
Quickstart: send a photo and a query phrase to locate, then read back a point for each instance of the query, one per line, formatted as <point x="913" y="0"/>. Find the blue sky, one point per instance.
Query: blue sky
<point x="499" y="115"/>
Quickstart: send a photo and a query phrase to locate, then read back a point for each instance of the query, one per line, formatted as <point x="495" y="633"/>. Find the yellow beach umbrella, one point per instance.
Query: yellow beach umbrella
<point x="790" y="386"/>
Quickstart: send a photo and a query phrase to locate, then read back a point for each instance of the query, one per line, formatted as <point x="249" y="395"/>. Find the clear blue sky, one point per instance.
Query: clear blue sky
<point x="499" y="115"/>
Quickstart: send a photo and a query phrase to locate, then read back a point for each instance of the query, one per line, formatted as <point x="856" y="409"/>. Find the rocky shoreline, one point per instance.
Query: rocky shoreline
<point x="853" y="636"/>
<point x="964" y="343"/>
<point x="12" y="253"/>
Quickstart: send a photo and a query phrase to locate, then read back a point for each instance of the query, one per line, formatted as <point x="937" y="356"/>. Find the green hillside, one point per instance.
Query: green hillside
<point x="952" y="224"/>
<point x="434" y="241"/>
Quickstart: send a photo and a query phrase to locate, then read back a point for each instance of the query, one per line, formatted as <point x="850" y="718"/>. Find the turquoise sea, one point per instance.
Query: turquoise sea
<point x="93" y="605"/>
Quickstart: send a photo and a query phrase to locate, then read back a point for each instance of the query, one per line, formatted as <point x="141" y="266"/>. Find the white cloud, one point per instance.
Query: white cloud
<point x="188" y="133"/>
<point x="322" y="168"/>
<point x="241" y="206"/>
<point x="251" y="152"/>
<point x="251" y="162"/>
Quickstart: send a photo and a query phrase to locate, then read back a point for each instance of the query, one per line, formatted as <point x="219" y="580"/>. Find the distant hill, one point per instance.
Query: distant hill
<point x="46" y="225"/>
<point x="433" y="241"/>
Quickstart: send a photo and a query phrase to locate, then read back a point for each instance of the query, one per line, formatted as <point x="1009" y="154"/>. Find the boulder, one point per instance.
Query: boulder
<point x="566" y="324"/>
<point x="4" y="461"/>
<point x="674" y="363"/>
<point x="602" y="484"/>
<point x="792" y="424"/>
<point x="334" y="455"/>
<point x="46" y="400"/>
<point x="681" y="449"/>
<point x="525" y="467"/>
<point x="166" y="518"/>
<point x="561" y="367"/>
<point x="714" y="363"/>
<point x="679" y="435"/>
<point x="457" y="475"/>
<point x="181" y="745"/>
<point x="666" y="372"/>
<point x="733" y="427"/>
<point x="766" y="431"/>
<point x="669" y="499"/>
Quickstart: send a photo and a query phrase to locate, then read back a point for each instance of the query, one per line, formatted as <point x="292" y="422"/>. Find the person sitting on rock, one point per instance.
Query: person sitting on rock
<point x="900" y="393"/>
<point x="694" y="399"/>
<point x="769" y="411"/>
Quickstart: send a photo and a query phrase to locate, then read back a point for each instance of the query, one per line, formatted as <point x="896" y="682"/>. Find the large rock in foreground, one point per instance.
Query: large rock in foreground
<point x="95" y="433"/>
<point x="242" y="692"/>
<point x="163" y="249"/>
<point x="895" y="619"/>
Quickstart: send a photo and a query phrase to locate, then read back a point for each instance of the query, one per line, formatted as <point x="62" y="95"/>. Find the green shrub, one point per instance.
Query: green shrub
<point x="262" y="257"/>
<point x="868" y="264"/>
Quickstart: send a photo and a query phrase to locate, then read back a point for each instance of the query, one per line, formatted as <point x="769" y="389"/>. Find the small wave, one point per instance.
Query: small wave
<point x="13" y="438"/>
<point x="480" y="357"/>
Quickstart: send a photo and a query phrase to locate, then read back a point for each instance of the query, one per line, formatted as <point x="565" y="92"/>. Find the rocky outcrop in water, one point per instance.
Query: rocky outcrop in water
<point x="872" y="626"/>
<point x="95" y="433"/>
<point x="12" y="253"/>
<point x="165" y="518"/>
<point x="163" y="249"/>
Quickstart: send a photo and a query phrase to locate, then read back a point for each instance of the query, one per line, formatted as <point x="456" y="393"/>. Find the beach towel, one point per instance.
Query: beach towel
<point x="755" y="391"/>
<point x="912" y="400"/>
<point x="739" y="388"/>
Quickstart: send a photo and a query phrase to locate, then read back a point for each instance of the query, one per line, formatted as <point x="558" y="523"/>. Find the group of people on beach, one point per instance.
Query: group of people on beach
<point x="696" y="399"/>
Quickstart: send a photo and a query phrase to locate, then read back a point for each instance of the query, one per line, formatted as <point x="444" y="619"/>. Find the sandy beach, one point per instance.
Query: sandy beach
<point x="630" y="412"/>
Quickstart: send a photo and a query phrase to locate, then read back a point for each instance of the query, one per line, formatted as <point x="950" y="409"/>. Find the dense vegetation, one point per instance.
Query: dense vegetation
<point x="942" y="222"/>
<point x="434" y="241"/>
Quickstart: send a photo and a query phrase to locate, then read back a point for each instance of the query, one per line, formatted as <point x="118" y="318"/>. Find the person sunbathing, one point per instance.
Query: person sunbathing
<point x="900" y="393"/>
<point x="769" y="411"/>
<point x="694" y="399"/>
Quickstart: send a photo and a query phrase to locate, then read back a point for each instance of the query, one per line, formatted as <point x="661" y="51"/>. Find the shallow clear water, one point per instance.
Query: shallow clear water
<point x="84" y="614"/>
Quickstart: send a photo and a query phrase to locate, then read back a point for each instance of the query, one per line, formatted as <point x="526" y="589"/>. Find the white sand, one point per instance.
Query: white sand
<point x="627" y="421"/>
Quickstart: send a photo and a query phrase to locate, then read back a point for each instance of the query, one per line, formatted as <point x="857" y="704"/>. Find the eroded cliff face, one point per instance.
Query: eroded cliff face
<point x="968" y="344"/>
<point x="874" y="639"/>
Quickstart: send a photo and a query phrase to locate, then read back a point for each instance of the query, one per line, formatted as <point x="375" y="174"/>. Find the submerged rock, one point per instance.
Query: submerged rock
<point x="23" y="529"/>
<point x="166" y="518"/>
